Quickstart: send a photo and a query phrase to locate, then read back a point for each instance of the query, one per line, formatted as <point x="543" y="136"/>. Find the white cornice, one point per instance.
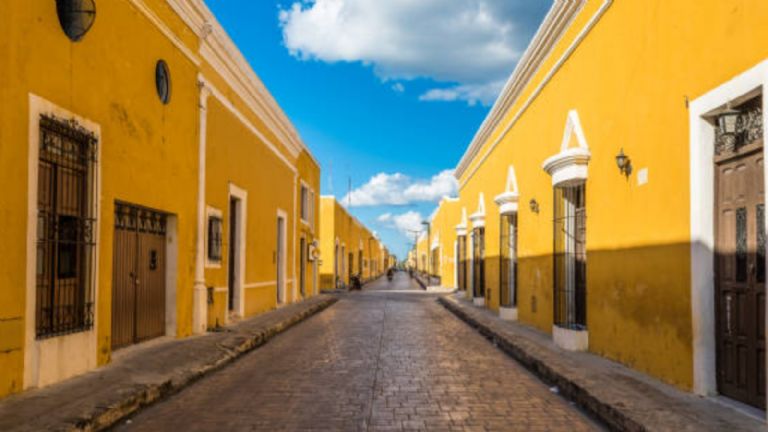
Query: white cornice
<point x="217" y="48"/>
<point x="571" y="164"/>
<point x="142" y="7"/>
<point x="555" y="24"/>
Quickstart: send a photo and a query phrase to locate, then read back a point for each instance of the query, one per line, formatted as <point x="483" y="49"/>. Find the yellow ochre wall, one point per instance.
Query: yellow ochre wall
<point x="629" y="80"/>
<point x="148" y="156"/>
<point x="147" y="148"/>
<point x="443" y="224"/>
<point x="336" y="224"/>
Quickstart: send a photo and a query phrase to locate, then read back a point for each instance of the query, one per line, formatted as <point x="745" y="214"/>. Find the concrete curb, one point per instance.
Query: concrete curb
<point x="610" y="415"/>
<point x="109" y="415"/>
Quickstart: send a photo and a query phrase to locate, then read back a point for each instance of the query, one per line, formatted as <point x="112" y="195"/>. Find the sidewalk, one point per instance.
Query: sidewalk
<point x="143" y="374"/>
<point x="622" y="398"/>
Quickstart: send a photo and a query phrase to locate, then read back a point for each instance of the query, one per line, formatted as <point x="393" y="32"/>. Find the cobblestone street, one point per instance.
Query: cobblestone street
<point x="380" y="360"/>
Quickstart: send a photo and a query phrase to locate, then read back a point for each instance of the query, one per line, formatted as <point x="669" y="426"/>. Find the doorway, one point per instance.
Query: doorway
<point x="138" y="275"/>
<point x="233" y="257"/>
<point x="303" y="266"/>
<point x="280" y="258"/>
<point x="740" y="271"/>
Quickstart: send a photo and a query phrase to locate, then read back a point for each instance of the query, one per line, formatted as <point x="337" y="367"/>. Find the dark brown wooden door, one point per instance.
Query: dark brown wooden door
<point x="740" y="275"/>
<point x="138" y="275"/>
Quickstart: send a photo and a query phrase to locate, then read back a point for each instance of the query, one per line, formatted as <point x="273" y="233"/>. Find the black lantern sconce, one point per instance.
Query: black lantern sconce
<point x="76" y="17"/>
<point x="728" y="130"/>
<point x="624" y="163"/>
<point x="534" y="205"/>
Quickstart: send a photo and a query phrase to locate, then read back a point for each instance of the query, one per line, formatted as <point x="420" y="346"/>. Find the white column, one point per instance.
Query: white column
<point x="200" y="294"/>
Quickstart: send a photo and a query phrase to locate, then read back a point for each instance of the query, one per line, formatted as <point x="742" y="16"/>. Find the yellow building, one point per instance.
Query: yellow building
<point x="442" y="253"/>
<point x="140" y="153"/>
<point x="622" y="157"/>
<point x="347" y="247"/>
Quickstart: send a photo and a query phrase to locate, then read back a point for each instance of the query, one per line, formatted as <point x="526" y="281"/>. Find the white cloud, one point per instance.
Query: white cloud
<point x="399" y="189"/>
<point x="398" y="87"/>
<point x="473" y="94"/>
<point x="461" y="42"/>
<point x="406" y="223"/>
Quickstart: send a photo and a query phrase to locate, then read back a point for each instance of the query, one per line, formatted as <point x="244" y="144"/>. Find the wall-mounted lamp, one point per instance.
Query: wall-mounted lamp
<point x="534" y="205"/>
<point x="76" y="17"/>
<point x="623" y="162"/>
<point x="727" y="125"/>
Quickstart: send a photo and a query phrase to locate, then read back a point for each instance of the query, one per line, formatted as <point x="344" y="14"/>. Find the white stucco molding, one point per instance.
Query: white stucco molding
<point x="461" y="228"/>
<point x="508" y="200"/>
<point x="570" y="340"/>
<point x="571" y="164"/>
<point x="435" y="241"/>
<point x="478" y="217"/>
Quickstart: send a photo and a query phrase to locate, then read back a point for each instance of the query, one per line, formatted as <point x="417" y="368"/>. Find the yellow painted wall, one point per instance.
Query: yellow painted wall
<point x="629" y="81"/>
<point x="444" y="228"/>
<point x="148" y="155"/>
<point x="354" y="237"/>
<point x="147" y="148"/>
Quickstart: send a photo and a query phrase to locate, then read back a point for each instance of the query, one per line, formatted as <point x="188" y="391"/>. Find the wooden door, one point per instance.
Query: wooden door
<point x="740" y="275"/>
<point x="138" y="275"/>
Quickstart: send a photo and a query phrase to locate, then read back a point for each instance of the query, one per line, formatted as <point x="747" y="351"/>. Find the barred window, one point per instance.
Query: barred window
<point x="461" y="254"/>
<point x="508" y="254"/>
<point x="570" y="281"/>
<point x="478" y="261"/>
<point x="214" y="238"/>
<point x="65" y="231"/>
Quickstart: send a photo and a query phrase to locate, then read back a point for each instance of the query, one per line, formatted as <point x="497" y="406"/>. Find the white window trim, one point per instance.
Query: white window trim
<point x="478" y="217"/>
<point x="212" y="212"/>
<point x="311" y="208"/>
<point x="41" y="357"/>
<point x="508" y="200"/>
<point x="702" y="176"/>
<point x="570" y="165"/>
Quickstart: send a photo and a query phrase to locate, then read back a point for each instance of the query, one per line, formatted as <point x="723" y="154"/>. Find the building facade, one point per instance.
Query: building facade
<point x="158" y="188"/>
<point x="347" y="248"/>
<point x="614" y="196"/>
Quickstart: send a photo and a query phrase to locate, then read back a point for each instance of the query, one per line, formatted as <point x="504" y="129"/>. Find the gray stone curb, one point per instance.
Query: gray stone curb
<point x="600" y="391"/>
<point x="198" y="357"/>
<point x="156" y="392"/>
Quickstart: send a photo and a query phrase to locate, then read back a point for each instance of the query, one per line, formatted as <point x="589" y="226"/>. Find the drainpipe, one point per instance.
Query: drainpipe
<point x="200" y="295"/>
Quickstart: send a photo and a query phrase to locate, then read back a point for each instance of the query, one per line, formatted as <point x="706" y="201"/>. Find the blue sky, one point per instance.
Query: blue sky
<point x="387" y="93"/>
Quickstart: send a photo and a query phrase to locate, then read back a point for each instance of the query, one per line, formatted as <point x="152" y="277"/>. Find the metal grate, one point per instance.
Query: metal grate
<point x="570" y="258"/>
<point x="478" y="262"/>
<point x="65" y="231"/>
<point x="461" y="261"/>
<point x="508" y="258"/>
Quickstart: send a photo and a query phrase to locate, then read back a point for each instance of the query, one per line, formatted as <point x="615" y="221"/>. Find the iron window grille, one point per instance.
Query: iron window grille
<point x="214" y="238"/>
<point x="508" y="257"/>
<point x="570" y="258"/>
<point x="478" y="261"/>
<point x="462" y="262"/>
<point x="65" y="228"/>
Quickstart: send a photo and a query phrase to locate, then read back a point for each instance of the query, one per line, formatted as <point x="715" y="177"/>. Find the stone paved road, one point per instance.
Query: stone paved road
<point x="380" y="360"/>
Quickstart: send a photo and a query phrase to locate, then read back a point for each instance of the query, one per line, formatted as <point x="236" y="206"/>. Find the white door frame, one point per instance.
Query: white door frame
<point x="241" y="195"/>
<point x="702" y="174"/>
<point x="281" y="256"/>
